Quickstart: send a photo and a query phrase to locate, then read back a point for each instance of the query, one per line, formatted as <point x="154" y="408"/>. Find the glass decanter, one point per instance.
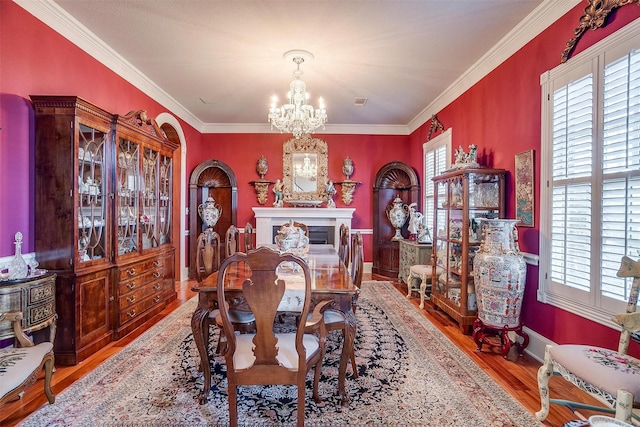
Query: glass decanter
<point x="18" y="267"/>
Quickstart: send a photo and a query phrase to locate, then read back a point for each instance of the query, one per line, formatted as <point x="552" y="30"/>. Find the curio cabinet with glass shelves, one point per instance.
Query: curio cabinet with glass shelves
<point x="462" y="196"/>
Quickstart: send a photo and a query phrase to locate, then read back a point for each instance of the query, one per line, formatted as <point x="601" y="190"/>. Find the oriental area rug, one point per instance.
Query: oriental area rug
<point x="409" y="375"/>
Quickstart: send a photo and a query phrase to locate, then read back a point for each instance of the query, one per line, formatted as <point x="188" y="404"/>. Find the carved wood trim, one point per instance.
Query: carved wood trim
<point x="595" y="16"/>
<point x="436" y="125"/>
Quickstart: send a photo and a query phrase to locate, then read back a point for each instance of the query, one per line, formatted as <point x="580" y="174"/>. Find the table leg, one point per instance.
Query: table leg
<point x="347" y="349"/>
<point x="200" y="330"/>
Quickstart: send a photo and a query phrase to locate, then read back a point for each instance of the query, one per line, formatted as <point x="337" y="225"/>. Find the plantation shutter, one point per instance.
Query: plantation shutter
<point x="571" y="186"/>
<point x="620" y="217"/>
<point x="435" y="164"/>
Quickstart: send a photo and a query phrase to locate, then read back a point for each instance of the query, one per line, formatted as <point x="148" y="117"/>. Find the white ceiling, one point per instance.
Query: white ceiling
<point x="217" y="63"/>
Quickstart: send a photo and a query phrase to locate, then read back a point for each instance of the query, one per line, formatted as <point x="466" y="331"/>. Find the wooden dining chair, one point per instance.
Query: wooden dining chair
<point x="207" y="254"/>
<point x="344" y="251"/>
<point x="231" y="241"/>
<point x="335" y="319"/>
<point x="208" y="262"/>
<point x="266" y="356"/>
<point x="612" y="377"/>
<point x="248" y="238"/>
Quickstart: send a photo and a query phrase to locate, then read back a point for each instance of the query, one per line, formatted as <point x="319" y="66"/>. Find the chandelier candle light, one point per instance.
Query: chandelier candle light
<point x="297" y="117"/>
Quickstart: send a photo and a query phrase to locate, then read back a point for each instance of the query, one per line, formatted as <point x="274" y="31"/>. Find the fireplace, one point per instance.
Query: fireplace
<point x="324" y="223"/>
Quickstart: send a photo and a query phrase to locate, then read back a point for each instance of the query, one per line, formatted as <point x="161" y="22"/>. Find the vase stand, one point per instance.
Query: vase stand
<point x="487" y="334"/>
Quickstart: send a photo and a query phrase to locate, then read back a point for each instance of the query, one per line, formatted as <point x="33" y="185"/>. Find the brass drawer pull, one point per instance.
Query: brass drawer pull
<point x="157" y="263"/>
<point x="131" y="298"/>
<point x="131" y="271"/>
<point x="156" y="274"/>
<point x="156" y="286"/>
<point x="131" y="285"/>
<point x="132" y="313"/>
<point x="156" y="299"/>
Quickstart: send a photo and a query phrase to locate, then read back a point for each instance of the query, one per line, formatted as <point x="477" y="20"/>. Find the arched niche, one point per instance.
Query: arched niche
<point x="216" y="179"/>
<point x="395" y="179"/>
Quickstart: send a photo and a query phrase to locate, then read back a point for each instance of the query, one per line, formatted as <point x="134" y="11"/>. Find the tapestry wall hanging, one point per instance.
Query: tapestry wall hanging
<point x="524" y="188"/>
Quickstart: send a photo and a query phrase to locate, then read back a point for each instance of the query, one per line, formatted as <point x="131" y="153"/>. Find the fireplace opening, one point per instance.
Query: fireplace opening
<point x="318" y="234"/>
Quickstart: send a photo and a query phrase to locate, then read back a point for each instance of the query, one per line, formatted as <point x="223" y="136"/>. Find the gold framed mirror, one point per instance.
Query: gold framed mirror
<point x="304" y="170"/>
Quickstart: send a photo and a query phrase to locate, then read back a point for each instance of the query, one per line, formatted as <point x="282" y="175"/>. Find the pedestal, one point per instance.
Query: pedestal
<point x="486" y="334"/>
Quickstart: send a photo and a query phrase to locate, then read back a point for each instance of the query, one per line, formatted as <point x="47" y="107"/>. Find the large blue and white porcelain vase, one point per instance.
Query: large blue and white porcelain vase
<point x="499" y="274"/>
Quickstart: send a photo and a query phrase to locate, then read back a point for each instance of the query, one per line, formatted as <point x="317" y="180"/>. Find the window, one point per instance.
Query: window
<point x="591" y="176"/>
<point x="437" y="159"/>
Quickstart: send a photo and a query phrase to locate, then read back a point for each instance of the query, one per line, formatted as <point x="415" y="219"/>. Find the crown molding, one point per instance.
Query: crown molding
<point x="70" y="28"/>
<point x="60" y="21"/>
<point x="329" y="130"/>
<point x="537" y="21"/>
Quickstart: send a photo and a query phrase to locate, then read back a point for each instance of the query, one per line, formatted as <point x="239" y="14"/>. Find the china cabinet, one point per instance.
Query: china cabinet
<point x="103" y="198"/>
<point x="462" y="196"/>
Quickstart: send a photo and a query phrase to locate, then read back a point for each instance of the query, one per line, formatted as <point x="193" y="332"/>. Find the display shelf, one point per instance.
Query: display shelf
<point x="461" y="197"/>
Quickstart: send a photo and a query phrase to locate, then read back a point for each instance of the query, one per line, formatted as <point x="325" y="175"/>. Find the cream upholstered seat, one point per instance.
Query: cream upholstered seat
<point x="267" y="357"/>
<point x="21" y="365"/>
<point x="611" y="376"/>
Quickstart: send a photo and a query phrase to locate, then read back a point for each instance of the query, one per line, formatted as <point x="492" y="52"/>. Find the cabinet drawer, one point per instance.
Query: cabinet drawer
<point x="139" y="281"/>
<point x="132" y="298"/>
<point x="138" y="269"/>
<point x="137" y="309"/>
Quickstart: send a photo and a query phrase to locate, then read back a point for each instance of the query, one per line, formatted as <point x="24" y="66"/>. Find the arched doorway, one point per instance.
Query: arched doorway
<point x="395" y="179"/>
<point x="216" y="179"/>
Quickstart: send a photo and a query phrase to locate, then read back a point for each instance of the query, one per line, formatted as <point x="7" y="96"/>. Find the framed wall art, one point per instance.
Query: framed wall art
<point x="525" y="188"/>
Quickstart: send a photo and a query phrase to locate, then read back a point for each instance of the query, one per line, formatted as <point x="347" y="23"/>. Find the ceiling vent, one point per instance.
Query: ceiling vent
<point x="361" y="101"/>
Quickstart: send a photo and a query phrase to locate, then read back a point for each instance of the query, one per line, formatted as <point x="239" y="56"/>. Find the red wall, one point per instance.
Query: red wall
<point x="501" y="114"/>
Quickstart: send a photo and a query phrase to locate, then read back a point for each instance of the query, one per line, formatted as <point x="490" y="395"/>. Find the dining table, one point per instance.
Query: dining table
<point x="330" y="280"/>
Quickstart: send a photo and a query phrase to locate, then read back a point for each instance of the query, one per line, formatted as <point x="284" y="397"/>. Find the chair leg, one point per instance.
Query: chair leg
<point x="301" y="400"/>
<point x="544" y="373"/>
<point x="354" y="367"/>
<point x="233" y="405"/>
<point x="316" y="382"/>
<point x="48" y="372"/>
<point x="624" y="406"/>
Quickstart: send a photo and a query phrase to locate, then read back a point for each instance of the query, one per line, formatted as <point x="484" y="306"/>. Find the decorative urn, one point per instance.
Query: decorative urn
<point x="292" y="239"/>
<point x="397" y="216"/>
<point x="210" y="212"/>
<point x="262" y="167"/>
<point x="347" y="167"/>
<point x="499" y="274"/>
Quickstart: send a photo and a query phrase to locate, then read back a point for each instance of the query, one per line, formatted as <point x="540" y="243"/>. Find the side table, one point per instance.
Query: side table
<point x="412" y="253"/>
<point x="36" y="299"/>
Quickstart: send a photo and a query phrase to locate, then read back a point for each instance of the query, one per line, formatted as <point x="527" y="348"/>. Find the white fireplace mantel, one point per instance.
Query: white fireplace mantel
<point x="267" y="218"/>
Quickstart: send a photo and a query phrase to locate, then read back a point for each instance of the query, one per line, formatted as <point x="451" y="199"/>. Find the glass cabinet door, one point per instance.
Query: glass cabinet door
<point x="149" y="217"/>
<point x="92" y="175"/>
<point x="164" y="200"/>
<point x="127" y="190"/>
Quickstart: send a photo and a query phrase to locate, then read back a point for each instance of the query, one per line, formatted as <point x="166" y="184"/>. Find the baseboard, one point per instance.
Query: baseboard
<point x="537" y="344"/>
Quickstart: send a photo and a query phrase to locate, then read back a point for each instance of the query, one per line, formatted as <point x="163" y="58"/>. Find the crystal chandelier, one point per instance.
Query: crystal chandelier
<point x="306" y="169"/>
<point x="297" y="116"/>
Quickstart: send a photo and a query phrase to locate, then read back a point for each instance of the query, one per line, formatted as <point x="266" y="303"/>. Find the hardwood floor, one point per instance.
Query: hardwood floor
<point x="517" y="377"/>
